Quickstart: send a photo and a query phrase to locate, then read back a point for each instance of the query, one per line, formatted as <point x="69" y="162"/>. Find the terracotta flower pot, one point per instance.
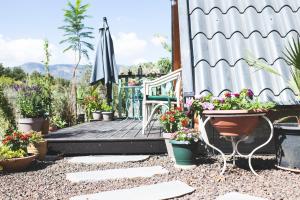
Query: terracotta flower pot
<point x="17" y="164"/>
<point x="226" y="125"/>
<point x="45" y="126"/>
<point x="30" y="124"/>
<point x="38" y="149"/>
<point x="53" y="128"/>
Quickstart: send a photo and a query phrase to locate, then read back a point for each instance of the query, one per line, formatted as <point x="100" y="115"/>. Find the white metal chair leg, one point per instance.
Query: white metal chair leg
<point x="152" y="114"/>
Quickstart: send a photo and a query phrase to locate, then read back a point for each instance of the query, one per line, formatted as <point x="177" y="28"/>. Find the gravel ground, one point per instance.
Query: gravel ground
<point x="47" y="180"/>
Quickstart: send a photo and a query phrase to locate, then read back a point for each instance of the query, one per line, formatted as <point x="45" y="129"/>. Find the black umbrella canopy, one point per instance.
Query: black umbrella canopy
<point x="105" y="68"/>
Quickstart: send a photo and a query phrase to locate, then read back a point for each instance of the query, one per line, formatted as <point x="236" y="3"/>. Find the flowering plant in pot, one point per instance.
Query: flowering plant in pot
<point x="107" y="111"/>
<point x="13" y="152"/>
<point x="184" y="143"/>
<point x="234" y="114"/>
<point x="32" y="107"/>
<point x="37" y="145"/>
<point x="172" y="121"/>
<point x="93" y="107"/>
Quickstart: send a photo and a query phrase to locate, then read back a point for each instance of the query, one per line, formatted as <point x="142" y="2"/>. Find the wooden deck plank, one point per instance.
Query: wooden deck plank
<point x="104" y="138"/>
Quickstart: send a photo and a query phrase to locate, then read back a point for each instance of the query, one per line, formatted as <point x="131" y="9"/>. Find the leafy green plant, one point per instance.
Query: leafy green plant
<point x="35" y="137"/>
<point x="30" y="101"/>
<point x="76" y="35"/>
<point x="244" y="100"/>
<point x="58" y="122"/>
<point x="7" y="117"/>
<point x="105" y="107"/>
<point x="185" y="135"/>
<point x="7" y="153"/>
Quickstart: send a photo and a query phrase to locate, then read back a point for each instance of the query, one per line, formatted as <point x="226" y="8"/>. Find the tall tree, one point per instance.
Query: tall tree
<point x="76" y="35"/>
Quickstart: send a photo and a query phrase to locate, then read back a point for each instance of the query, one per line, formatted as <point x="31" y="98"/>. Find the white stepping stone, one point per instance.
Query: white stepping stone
<point x="164" y="190"/>
<point x="107" y="159"/>
<point x="93" y="176"/>
<point x="238" y="196"/>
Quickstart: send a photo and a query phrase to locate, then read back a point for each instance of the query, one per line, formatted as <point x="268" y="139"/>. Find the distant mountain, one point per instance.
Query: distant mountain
<point x="57" y="70"/>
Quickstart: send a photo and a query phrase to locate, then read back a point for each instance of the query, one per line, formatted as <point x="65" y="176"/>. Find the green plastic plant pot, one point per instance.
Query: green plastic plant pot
<point x="183" y="152"/>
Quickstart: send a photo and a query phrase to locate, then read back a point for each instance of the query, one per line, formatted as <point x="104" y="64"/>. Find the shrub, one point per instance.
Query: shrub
<point x="7" y="117"/>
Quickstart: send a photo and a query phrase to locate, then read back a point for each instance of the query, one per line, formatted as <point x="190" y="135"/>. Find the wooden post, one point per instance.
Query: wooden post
<point x="176" y="59"/>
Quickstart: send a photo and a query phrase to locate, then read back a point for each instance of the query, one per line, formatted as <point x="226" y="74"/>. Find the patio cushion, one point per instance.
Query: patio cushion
<point x="161" y="98"/>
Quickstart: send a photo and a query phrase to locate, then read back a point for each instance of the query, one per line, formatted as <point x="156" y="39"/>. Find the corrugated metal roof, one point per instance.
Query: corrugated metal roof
<point x="217" y="35"/>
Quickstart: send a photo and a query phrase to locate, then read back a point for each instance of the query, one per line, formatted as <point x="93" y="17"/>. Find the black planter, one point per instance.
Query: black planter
<point x="287" y="145"/>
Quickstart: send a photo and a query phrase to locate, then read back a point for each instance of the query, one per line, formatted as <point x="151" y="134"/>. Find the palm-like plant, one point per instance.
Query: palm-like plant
<point x="292" y="55"/>
<point x="76" y="35"/>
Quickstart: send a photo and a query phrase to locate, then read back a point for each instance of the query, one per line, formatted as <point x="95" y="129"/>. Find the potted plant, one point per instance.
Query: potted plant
<point x="37" y="145"/>
<point x="107" y="111"/>
<point x="172" y="121"/>
<point x="57" y="123"/>
<point x="225" y="109"/>
<point x="13" y="152"/>
<point x="286" y="133"/>
<point x="32" y="108"/>
<point x="184" y="143"/>
<point x="93" y="105"/>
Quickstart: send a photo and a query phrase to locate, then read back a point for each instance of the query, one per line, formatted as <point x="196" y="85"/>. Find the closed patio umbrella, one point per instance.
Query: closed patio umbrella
<point x="105" y="68"/>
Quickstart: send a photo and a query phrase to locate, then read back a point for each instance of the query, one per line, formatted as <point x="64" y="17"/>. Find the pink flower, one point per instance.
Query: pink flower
<point x="189" y="102"/>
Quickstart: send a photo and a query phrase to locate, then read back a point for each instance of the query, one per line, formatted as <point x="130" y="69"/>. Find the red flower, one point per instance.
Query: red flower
<point x="9" y="138"/>
<point x="24" y="137"/>
<point x="163" y="117"/>
<point x="184" y="122"/>
<point x="4" y="142"/>
<point x="172" y="119"/>
<point x="168" y="112"/>
<point x="228" y="94"/>
<point x="179" y="109"/>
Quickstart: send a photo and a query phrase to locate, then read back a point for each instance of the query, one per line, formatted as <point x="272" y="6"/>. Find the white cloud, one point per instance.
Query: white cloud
<point x="14" y="52"/>
<point x="158" y="40"/>
<point x="129" y="47"/>
<point x="140" y="60"/>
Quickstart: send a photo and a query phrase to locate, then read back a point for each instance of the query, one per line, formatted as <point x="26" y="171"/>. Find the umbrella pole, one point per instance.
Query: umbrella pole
<point x="109" y="93"/>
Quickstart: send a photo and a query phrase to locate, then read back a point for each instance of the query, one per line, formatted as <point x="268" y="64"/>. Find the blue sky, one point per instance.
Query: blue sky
<point x="133" y="23"/>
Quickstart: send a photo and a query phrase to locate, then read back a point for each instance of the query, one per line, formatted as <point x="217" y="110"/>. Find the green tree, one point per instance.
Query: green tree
<point x="2" y="69"/>
<point x="164" y="65"/>
<point x="76" y="35"/>
<point x="18" y="74"/>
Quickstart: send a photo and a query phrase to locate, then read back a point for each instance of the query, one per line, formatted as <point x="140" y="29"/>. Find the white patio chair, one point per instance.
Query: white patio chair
<point x="151" y="102"/>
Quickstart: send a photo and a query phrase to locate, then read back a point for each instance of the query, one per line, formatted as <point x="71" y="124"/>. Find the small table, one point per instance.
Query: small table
<point x="235" y="142"/>
<point x="134" y="100"/>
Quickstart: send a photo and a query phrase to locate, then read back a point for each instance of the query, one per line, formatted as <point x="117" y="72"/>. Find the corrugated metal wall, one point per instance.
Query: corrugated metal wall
<point x="216" y="36"/>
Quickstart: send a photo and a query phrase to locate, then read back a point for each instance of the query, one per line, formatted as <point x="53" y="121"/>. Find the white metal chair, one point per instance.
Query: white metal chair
<point x="151" y="102"/>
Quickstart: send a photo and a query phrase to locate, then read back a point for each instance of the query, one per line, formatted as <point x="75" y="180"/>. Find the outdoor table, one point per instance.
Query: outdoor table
<point x="233" y="140"/>
<point x="134" y="100"/>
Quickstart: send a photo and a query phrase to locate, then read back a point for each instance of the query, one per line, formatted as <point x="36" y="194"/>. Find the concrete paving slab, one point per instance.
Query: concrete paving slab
<point x="93" y="176"/>
<point x="165" y="190"/>
<point x="238" y="196"/>
<point x="107" y="159"/>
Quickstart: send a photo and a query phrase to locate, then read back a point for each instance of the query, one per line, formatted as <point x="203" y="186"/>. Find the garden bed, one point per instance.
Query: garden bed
<point x="47" y="180"/>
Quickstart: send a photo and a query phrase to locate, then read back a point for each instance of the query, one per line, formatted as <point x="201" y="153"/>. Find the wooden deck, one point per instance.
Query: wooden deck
<point x="115" y="137"/>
